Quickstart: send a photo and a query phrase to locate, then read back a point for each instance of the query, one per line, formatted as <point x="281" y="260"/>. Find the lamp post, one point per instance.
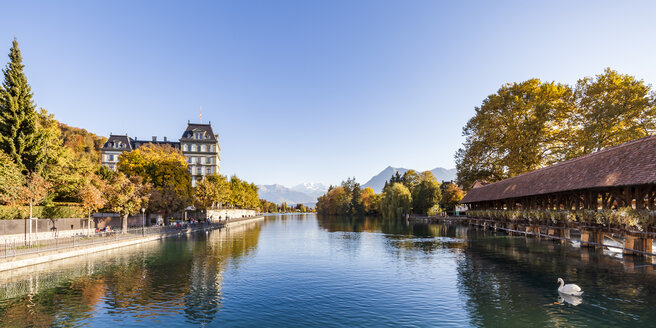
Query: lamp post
<point x="143" y="221"/>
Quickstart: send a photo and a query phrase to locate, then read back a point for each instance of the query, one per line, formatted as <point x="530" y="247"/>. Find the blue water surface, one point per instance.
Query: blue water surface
<point x="309" y="271"/>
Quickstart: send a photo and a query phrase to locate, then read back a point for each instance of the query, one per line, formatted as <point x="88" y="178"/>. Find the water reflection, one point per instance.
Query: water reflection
<point x="308" y="270"/>
<point x="569" y="299"/>
<point x="147" y="281"/>
<point x="510" y="282"/>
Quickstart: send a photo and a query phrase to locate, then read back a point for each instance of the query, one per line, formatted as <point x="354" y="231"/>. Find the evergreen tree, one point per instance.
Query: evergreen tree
<point x="19" y="134"/>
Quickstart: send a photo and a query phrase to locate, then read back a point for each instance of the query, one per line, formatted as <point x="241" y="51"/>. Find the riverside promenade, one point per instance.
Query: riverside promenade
<point x="17" y="255"/>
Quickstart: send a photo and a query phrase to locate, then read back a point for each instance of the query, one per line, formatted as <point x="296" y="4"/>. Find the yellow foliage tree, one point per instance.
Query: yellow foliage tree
<point x="165" y="168"/>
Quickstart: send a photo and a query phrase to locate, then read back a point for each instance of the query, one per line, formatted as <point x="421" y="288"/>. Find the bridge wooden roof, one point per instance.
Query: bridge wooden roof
<point x="631" y="163"/>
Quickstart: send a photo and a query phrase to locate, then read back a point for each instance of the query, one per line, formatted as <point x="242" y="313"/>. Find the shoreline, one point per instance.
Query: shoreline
<point x="11" y="263"/>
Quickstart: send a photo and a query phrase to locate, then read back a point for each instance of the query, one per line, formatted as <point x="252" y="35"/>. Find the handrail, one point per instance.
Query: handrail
<point x="15" y="248"/>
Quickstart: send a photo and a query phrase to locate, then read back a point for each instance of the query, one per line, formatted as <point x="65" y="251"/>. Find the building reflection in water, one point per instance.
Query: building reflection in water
<point x="148" y="280"/>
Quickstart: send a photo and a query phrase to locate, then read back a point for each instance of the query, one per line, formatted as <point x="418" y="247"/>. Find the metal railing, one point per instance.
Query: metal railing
<point x="18" y="248"/>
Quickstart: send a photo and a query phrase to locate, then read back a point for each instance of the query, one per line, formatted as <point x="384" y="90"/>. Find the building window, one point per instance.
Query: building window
<point x="189" y="159"/>
<point x="208" y="170"/>
<point x="199" y="170"/>
<point x="208" y="160"/>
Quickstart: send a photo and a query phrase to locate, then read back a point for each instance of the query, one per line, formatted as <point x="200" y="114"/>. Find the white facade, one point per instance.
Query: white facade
<point x="199" y="145"/>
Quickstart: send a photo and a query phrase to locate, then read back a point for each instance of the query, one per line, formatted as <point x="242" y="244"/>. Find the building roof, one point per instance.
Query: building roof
<point x="206" y="128"/>
<point x="631" y="163"/>
<point x="118" y="142"/>
<point x="156" y="142"/>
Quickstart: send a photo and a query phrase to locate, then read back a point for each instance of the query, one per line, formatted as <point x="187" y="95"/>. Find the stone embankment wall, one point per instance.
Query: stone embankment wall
<point x="17" y="230"/>
<point x="228" y="214"/>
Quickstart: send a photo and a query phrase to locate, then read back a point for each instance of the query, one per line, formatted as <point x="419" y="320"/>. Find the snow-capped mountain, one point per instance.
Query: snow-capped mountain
<point x="313" y="189"/>
<point x="306" y="193"/>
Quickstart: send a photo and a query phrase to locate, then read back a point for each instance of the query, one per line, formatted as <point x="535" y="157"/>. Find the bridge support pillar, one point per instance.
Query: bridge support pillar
<point x="591" y="237"/>
<point x="638" y="244"/>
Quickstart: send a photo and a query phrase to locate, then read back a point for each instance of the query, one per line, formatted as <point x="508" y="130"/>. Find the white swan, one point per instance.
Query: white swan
<point x="569" y="289"/>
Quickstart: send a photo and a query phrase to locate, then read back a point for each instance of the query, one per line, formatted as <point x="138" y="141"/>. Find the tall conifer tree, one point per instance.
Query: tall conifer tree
<point x="19" y="134"/>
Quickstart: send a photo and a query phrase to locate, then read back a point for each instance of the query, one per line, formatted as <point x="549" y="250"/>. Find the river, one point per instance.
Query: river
<point x="304" y="270"/>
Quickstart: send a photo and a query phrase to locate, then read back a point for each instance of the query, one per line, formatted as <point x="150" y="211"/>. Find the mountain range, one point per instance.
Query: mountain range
<point x="308" y="193"/>
<point x="378" y="181"/>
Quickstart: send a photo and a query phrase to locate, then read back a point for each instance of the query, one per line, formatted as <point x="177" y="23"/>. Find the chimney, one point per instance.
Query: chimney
<point x="154" y="138"/>
<point x="164" y="139"/>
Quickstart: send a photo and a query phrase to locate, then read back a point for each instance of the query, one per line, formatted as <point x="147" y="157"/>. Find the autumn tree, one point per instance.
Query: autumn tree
<point x="528" y="125"/>
<point x="65" y="169"/>
<point x="34" y="191"/>
<point x="370" y="201"/>
<point x="19" y="134"/>
<point x="92" y="198"/>
<point x="214" y="190"/>
<point x="612" y="108"/>
<point x="126" y="196"/>
<point x="451" y="196"/>
<point x="165" y="168"/>
<point x="242" y="193"/>
<point x="522" y="127"/>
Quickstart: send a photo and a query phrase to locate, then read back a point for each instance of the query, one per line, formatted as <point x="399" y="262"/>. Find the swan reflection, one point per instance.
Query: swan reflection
<point x="571" y="299"/>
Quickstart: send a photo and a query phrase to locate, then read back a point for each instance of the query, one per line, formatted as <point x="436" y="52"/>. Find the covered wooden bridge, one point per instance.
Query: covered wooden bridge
<point x="614" y="188"/>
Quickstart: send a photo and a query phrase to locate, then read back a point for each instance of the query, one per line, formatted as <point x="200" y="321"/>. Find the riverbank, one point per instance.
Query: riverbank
<point x="109" y="242"/>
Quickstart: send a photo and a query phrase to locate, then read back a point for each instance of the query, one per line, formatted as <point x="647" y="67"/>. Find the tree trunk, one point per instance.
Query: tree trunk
<point x="30" y="220"/>
<point x="124" y="223"/>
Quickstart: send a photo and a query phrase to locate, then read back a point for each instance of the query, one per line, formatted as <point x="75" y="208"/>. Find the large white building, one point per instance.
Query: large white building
<point x="198" y="144"/>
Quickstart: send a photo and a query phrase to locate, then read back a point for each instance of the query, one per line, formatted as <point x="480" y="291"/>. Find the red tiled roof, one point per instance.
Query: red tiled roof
<point x="631" y="163"/>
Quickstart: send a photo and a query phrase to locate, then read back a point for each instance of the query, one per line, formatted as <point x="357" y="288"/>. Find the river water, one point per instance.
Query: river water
<point x="305" y="270"/>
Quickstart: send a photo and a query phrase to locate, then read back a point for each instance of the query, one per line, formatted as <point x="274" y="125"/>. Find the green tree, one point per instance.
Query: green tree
<point x="356" y="208"/>
<point x="19" y="134"/>
<point x="426" y="193"/>
<point x="273" y="208"/>
<point x="410" y="179"/>
<point x="396" y="201"/>
<point x="612" y="108"/>
<point x="11" y="180"/>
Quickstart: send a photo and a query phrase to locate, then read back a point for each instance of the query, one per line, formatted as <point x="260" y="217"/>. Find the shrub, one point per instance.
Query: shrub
<point x="42" y="212"/>
<point x="435" y="210"/>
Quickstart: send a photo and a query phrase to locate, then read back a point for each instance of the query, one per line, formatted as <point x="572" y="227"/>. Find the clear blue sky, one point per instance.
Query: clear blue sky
<point x="313" y="91"/>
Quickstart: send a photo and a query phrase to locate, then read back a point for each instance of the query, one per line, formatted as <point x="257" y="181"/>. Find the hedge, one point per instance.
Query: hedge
<point x="42" y="212"/>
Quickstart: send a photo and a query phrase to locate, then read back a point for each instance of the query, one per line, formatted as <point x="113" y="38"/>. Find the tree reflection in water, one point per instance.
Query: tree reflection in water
<point x="149" y="280"/>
